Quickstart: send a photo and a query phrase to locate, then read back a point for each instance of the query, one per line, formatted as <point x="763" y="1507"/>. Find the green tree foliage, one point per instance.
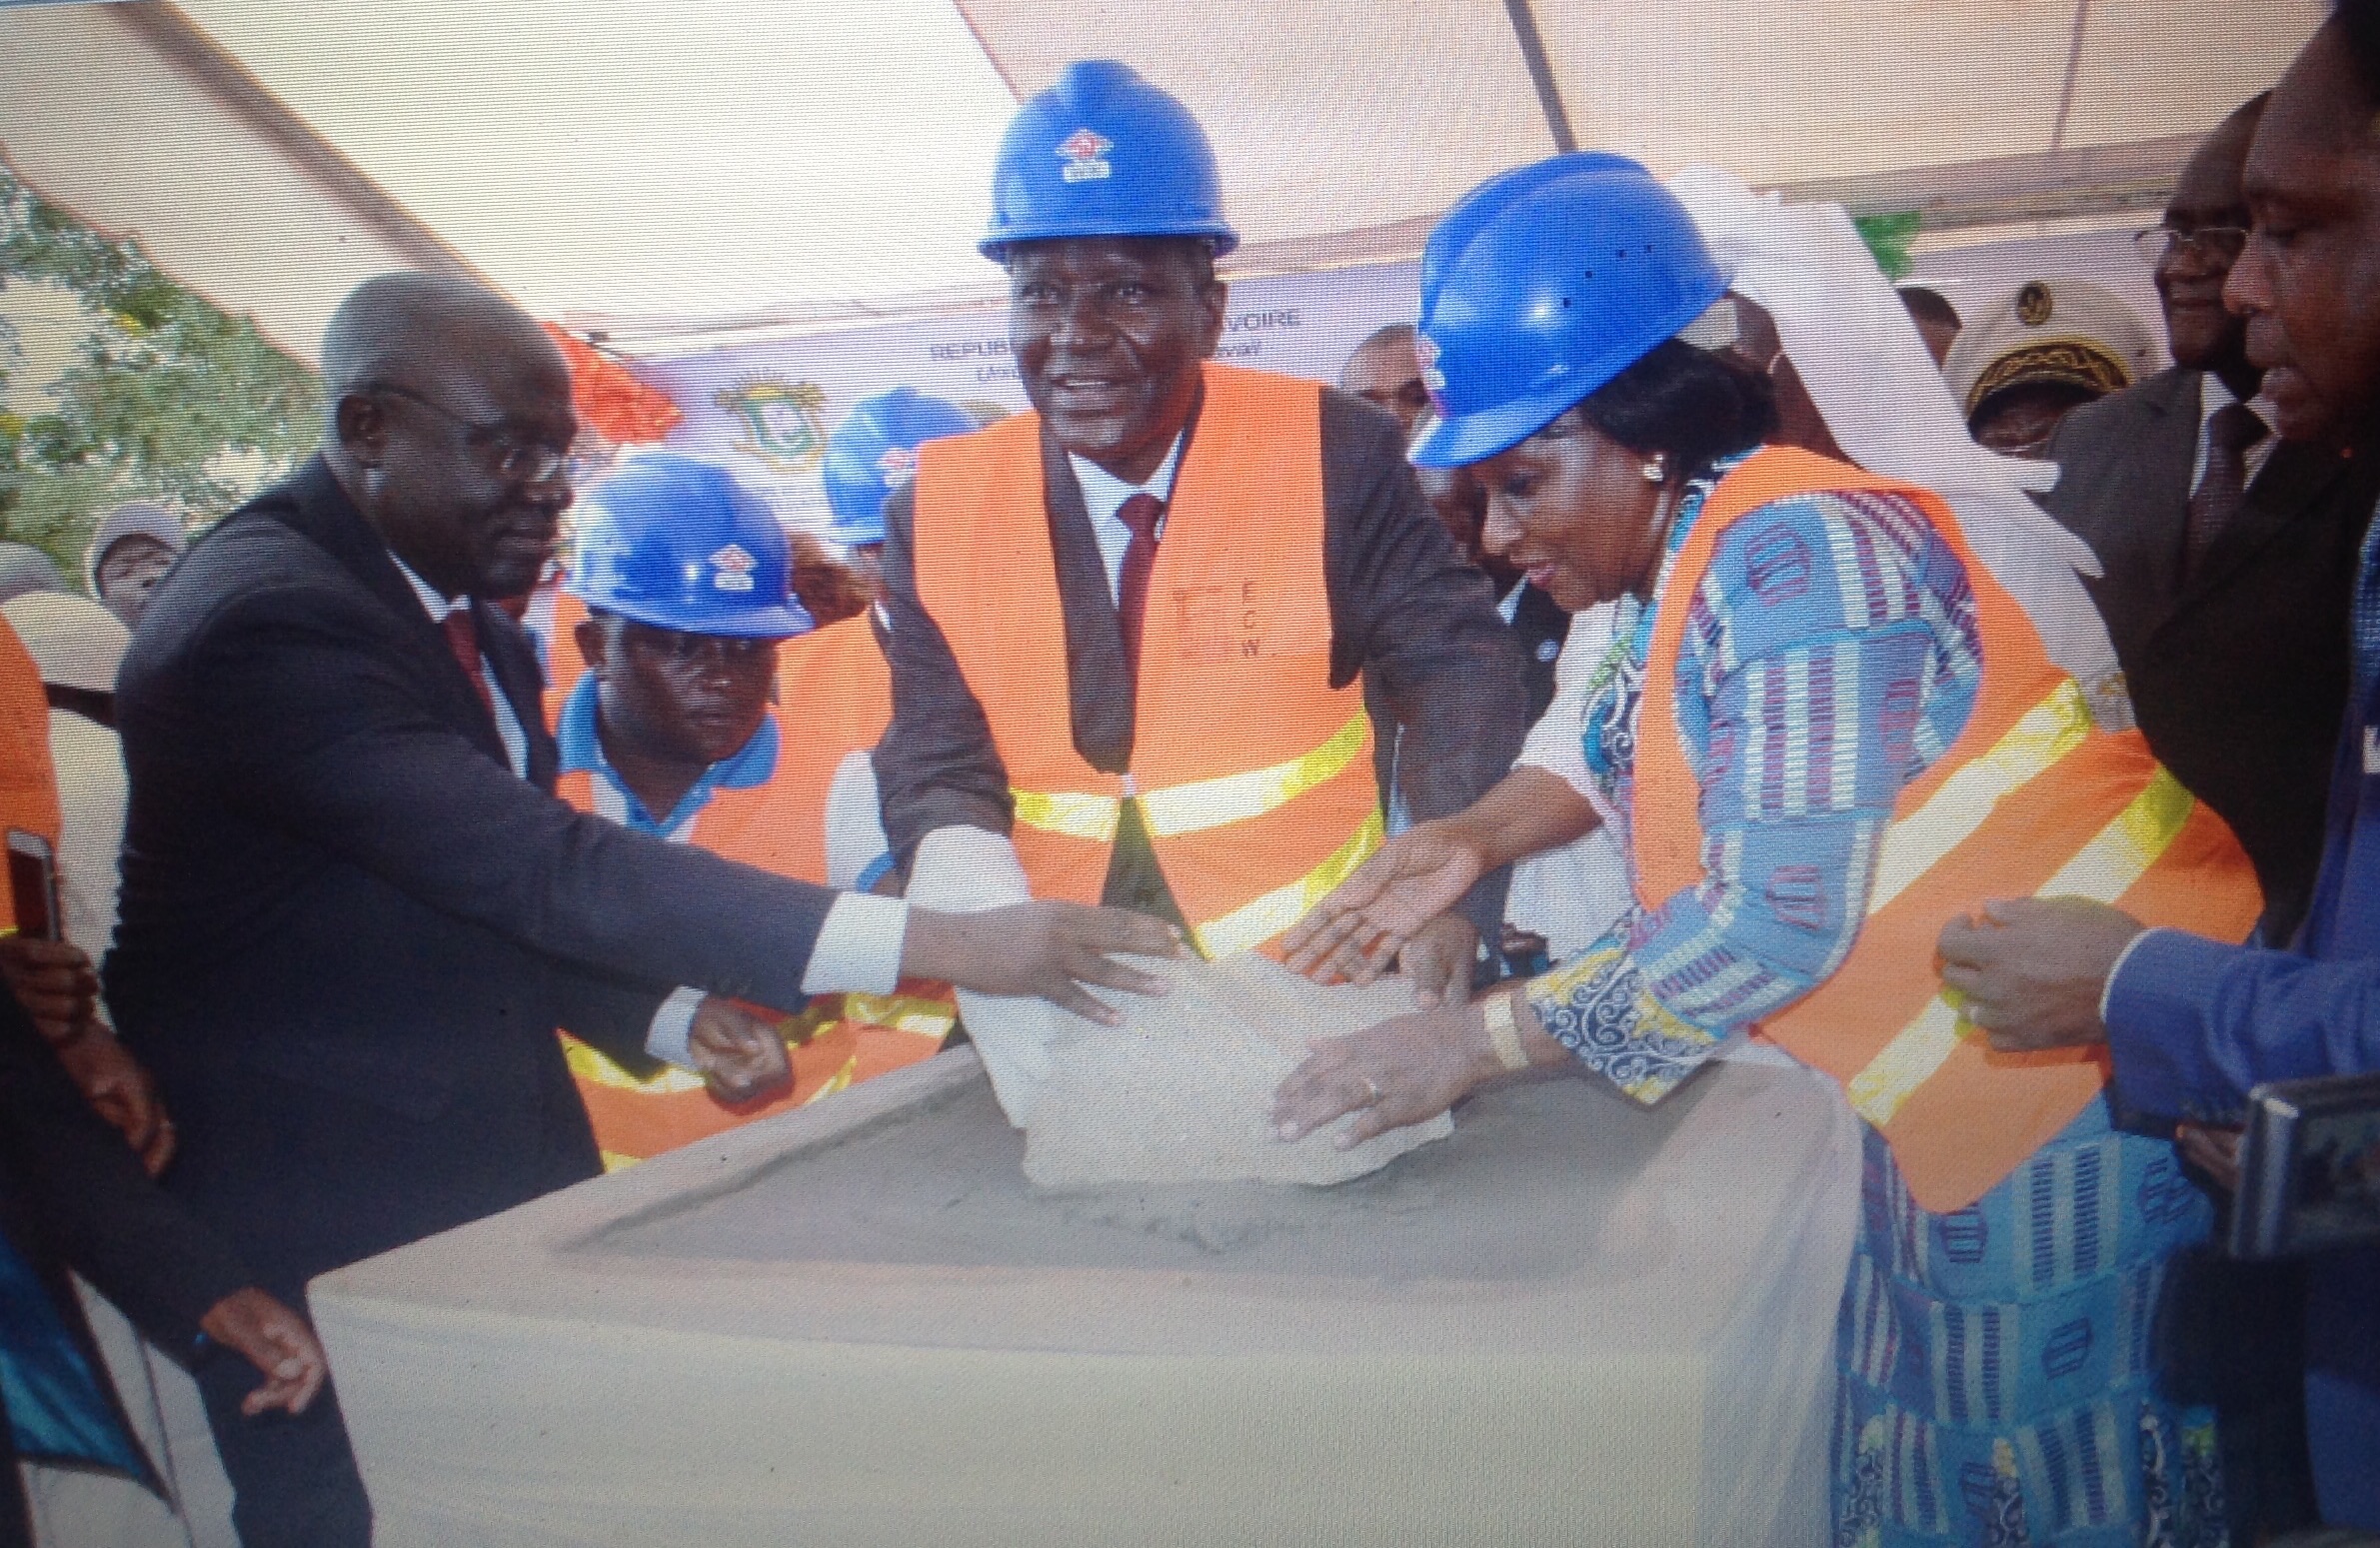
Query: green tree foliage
<point x="164" y="396"/>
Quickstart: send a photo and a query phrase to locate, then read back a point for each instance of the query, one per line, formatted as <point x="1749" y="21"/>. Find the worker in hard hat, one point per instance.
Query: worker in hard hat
<point x="685" y="575"/>
<point x="871" y="456"/>
<point x="1129" y="627"/>
<point x="1826" y="727"/>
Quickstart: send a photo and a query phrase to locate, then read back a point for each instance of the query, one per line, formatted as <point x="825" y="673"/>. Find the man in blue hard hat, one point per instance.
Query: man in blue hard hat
<point x="871" y="456"/>
<point x="1131" y="628"/>
<point x="685" y="577"/>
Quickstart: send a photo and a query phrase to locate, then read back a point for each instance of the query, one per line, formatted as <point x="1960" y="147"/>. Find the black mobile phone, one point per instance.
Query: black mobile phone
<point x="33" y="885"/>
<point x="2309" y="1168"/>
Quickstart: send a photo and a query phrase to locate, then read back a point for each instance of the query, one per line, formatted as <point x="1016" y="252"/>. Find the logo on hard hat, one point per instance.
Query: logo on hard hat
<point x="1085" y="152"/>
<point x="899" y="464"/>
<point x="732" y="569"/>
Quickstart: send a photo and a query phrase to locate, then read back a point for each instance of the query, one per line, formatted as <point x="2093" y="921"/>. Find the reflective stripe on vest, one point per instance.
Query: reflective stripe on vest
<point x="2032" y="799"/>
<point x="839" y="1039"/>
<point x="1202" y="804"/>
<point x="1252" y="774"/>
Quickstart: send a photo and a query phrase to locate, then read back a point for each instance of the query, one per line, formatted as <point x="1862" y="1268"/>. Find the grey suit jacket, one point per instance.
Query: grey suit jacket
<point x="2239" y="669"/>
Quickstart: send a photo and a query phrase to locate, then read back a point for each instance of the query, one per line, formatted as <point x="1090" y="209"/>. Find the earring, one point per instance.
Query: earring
<point x="1656" y="472"/>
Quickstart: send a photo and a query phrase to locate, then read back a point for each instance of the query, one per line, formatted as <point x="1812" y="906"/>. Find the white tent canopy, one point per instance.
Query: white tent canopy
<point x="671" y="165"/>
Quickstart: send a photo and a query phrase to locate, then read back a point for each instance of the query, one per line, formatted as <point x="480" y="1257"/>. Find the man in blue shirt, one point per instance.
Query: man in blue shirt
<point x="2193" y="1024"/>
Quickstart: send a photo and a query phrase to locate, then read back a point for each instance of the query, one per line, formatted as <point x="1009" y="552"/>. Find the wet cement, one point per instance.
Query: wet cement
<point x="1553" y="1179"/>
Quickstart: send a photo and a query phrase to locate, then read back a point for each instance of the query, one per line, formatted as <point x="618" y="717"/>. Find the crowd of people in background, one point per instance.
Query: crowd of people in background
<point x="1610" y="656"/>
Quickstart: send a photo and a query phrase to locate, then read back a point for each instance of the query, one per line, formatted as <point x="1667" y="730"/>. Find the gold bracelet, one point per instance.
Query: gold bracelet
<point x="1503" y="1033"/>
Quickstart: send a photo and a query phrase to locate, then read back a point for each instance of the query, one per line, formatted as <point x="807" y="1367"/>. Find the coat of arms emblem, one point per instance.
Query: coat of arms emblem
<point x="782" y="422"/>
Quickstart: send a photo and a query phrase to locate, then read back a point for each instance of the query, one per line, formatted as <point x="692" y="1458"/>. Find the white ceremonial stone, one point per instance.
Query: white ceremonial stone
<point x="1182" y="1091"/>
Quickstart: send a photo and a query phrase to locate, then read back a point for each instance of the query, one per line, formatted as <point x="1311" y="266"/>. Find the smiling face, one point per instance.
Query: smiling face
<point x="672" y="697"/>
<point x="2312" y="263"/>
<point x="2203" y="335"/>
<point x="1109" y="333"/>
<point x="435" y="446"/>
<point x="1572" y="510"/>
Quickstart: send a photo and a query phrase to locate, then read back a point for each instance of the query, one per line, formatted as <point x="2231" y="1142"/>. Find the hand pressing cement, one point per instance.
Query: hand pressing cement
<point x="1182" y="1091"/>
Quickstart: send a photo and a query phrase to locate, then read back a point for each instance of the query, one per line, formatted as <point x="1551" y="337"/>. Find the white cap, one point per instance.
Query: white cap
<point x="74" y="640"/>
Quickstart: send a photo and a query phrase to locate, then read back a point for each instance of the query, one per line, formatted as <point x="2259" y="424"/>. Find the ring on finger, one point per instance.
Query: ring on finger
<point x="1371" y="1093"/>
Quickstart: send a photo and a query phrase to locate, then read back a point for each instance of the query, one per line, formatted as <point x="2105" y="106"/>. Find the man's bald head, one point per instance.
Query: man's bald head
<point x="450" y="425"/>
<point x="2202" y="223"/>
<point x="1384" y="371"/>
<point x="403" y="327"/>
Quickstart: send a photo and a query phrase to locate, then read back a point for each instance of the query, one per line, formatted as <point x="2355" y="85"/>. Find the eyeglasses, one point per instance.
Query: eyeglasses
<point x="519" y="459"/>
<point x="2211" y="244"/>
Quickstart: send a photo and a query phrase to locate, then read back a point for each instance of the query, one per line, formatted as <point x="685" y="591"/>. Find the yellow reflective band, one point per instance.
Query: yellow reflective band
<point x="2103" y="870"/>
<point x="1914" y="844"/>
<point x="1907" y="1062"/>
<point x="1204" y="804"/>
<point x="900" y="1013"/>
<point x="1071" y="814"/>
<point x="841" y="1082"/>
<point x="1252" y="923"/>
<point x="598" y="1069"/>
<point x="1200" y="803"/>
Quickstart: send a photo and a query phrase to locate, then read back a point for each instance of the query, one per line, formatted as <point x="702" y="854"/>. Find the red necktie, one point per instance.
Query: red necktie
<point x="463" y="637"/>
<point x="1141" y="512"/>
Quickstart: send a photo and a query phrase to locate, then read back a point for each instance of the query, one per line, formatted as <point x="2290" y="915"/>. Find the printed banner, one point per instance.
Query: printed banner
<point x="766" y="409"/>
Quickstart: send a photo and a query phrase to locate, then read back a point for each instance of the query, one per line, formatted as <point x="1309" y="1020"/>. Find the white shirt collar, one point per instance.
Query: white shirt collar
<point x="2213" y="397"/>
<point x="1104" y="493"/>
<point x="436" y="605"/>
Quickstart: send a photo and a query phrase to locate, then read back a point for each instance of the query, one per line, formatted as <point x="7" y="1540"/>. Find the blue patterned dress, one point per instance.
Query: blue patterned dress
<point x="1996" y="1381"/>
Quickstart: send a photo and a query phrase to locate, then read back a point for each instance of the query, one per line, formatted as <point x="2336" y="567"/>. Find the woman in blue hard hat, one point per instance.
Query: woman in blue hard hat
<point x="1814" y="657"/>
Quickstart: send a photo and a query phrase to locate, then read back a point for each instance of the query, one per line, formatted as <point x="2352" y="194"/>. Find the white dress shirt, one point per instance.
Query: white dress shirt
<point x="858" y="947"/>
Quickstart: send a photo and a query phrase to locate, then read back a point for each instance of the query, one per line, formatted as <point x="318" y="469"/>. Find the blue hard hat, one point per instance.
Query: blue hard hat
<point x="675" y="542"/>
<point x="1104" y="154"/>
<point x="874" y="451"/>
<point x="1543" y="284"/>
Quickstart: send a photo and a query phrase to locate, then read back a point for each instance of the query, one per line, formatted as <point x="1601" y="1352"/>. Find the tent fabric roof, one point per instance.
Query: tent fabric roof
<point x="672" y="163"/>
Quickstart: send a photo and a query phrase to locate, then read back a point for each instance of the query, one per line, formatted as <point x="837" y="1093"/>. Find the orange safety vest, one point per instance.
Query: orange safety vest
<point x="1252" y="773"/>
<point x="2033" y="799"/>
<point x="779" y="828"/>
<point x="28" y="779"/>
<point x="836" y="685"/>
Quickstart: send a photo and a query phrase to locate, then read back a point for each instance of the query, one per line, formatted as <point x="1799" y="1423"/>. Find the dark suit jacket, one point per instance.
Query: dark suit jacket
<point x="1407" y="613"/>
<point x="348" y="930"/>
<point x="2239" y="671"/>
<point x="72" y="1196"/>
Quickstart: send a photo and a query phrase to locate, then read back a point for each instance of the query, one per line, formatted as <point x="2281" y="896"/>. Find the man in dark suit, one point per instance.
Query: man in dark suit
<point x="2228" y="553"/>
<point x="73" y="1196"/>
<point x="2192" y="1025"/>
<point x="353" y="912"/>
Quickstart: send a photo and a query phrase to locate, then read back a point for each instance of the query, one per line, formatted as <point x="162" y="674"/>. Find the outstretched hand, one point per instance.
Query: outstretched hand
<point x="1404" y="1070"/>
<point x="1049" y="949"/>
<point x="274" y="1339"/>
<point x="1357" y="933"/>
